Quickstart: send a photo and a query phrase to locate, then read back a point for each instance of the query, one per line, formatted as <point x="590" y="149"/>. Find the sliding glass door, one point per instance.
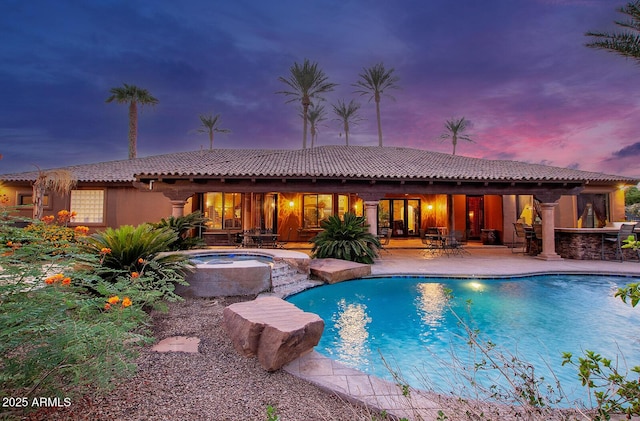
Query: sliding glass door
<point x="401" y="216"/>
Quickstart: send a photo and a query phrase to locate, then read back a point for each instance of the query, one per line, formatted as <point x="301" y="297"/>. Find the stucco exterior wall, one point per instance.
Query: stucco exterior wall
<point x="124" y="205"/>
<point x="616" y="199"/>
<point x="566" y="212"/>
<point x="128" y="206"/>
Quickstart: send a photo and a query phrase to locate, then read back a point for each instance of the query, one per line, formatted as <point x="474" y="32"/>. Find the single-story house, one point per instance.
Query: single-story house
<point x="291" y="191"/>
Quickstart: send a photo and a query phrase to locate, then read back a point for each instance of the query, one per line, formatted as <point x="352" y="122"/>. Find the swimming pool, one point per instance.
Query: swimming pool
<point x="407" y="321"/>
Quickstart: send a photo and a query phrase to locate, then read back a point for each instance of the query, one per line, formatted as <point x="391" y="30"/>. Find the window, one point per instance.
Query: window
<point x="88" y="206"/>
<point x="525" y="209"/>
<point x="223" y="210"/>
<point x="593" y="210"/>
<point x="26" y="199"/>
<point x="343" y="205"/>
<point x="266" y="217"/>
<point x="317" y="207"/>
<point x="358" y="207"/>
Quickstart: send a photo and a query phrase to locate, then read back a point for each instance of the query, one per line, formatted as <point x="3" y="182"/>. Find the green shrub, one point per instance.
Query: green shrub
<point x="136" y="255"/>
<point x="183" y="227"/>
<point x="347" y="239"/>
<point x="616" y="390"/>
<point x="58" y="336"/>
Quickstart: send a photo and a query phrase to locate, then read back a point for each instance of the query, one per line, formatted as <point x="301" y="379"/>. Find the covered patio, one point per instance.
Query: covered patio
<point x="406" y="256"/>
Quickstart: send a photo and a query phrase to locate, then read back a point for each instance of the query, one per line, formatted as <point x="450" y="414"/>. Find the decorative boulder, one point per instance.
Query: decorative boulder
<point x="332" y="271"/>
<point x="274" y="330"/>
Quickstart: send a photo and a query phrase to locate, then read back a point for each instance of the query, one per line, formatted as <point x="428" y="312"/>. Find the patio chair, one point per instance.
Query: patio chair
<point x="519" y="233"/>
<point x="250" y="238"/>
<point x="625" y="231"/>
<point x="433" y="242"/>
<point x="282" y="243"/>
<point x="385" y="239"/>
<point x="265" y="238"/>
<point x="537" y="237"/>
<point x="454" y="244"/>
<point x="235" y="239"/>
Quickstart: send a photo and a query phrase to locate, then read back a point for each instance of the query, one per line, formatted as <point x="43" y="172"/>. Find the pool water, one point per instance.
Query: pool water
<point x="408" y="321"/>
<point x="228" y="258"/>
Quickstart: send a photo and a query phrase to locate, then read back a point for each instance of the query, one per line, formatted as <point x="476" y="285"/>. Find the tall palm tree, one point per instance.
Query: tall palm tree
<point x="347" y="115"/>
<point x="316" y="114"/>
<point x="455" y="128"/>
<point x="625" y="43"/>
<point x="210" y="125"/>
<point x="132" y="95"/>
<point x="305" y="82"/>
<point x="375" y="81"/>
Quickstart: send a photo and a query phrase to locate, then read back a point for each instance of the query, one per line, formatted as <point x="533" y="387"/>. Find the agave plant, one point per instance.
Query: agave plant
<point x="183" y="226"/>
<point x="347" y="239"/>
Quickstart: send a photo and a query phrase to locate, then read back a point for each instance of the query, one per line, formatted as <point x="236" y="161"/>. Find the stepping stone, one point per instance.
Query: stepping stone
<point x="178" y="344"/>
<point x="337" y="270"/>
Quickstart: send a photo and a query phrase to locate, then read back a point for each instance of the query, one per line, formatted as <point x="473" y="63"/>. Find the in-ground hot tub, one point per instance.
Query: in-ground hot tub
<point x="235" y="272"/>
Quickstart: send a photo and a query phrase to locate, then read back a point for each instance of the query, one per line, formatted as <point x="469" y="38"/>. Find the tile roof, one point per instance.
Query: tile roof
<point x="366" y="162"/>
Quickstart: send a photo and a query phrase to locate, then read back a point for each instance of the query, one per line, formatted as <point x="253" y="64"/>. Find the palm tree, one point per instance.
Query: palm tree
<point x="132" y="95"/>
<point x="316" y="115"/>
<point x="58" y="181"/>
<point x="210" y="125"/>
<point x="347" y="114"/>
<point x="375" y="81"/>
<point x="455" y="129"/>
<point x="624" y="43"/>
<point x="305" y="82"/>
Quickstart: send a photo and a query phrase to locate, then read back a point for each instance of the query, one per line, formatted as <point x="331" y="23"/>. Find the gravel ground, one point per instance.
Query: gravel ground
<point x="215" y="384"/>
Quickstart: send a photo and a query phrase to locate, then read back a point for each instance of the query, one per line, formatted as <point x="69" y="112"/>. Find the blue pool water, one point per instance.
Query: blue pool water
<point x="220" y="258"/>
<point x="407" y="321"/>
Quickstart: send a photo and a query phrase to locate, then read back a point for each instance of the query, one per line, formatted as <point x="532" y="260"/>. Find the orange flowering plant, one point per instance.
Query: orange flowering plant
<point x="56" y="231"/>
<point x="64" y="217"/>
<point x="66" y="307"/>
<point x="115" y="300"/>
<point x="58" y="278"/>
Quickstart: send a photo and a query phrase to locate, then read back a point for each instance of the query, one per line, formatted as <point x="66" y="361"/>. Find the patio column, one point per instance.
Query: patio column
<point x="177" y="208"/>
<point x="247" y="201"/>
<point x="371" y="214"/>
<point x="548" y="232"/>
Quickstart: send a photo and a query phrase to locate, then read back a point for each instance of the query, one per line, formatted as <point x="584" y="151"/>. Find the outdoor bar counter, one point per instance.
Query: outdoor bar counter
<point x="589" y="244"/>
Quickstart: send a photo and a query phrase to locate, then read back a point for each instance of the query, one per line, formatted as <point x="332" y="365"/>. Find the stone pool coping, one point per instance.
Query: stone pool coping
<point x="297" y="259"/>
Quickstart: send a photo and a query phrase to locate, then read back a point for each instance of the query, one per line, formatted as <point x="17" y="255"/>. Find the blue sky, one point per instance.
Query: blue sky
<point x="517" y="69"/>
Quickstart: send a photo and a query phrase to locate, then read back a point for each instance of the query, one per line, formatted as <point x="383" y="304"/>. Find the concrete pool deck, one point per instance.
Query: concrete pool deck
<point x="404" y="258"/>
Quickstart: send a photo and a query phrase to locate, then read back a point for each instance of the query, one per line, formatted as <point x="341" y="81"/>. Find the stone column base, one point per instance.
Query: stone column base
<point x="549" y="256"/>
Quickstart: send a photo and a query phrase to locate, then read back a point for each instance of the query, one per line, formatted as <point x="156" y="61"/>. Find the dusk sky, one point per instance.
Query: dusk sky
<point x="517" y="69"/>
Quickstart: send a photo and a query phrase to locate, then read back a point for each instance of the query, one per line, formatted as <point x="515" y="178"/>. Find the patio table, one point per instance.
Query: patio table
<point x="264" y="239"/>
